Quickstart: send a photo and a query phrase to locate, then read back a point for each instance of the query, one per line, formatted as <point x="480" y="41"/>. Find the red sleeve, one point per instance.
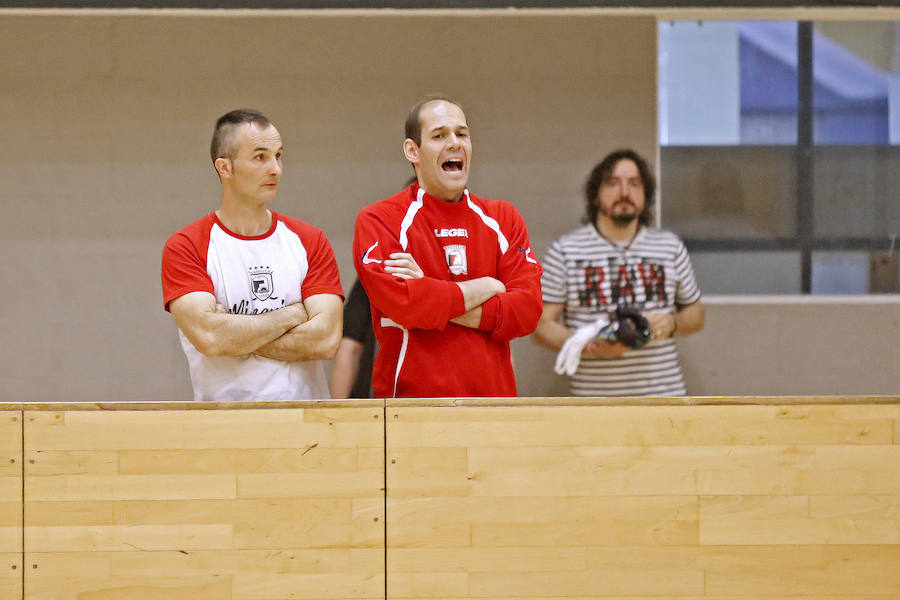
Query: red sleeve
<point x="184" y="262"/>
<point x="425" y="303"/>
<point x="514" y="313"/>
<point x="322" y="276"/>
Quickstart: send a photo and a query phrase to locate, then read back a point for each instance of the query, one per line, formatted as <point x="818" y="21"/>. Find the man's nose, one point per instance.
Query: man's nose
<point x="275" y="167"/>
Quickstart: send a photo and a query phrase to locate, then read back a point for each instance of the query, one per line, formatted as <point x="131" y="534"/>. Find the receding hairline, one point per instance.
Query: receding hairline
<point x="451" y="103"/>
<point x="413" y="123"/>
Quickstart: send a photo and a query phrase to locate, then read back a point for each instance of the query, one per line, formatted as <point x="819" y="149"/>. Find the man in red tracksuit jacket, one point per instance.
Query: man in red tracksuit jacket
<point x="451" y="277"/>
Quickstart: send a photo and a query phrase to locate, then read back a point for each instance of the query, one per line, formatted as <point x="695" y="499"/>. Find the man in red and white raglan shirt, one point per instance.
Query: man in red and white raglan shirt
<point x="256" y="295"/>
<point x="451" y="277"/>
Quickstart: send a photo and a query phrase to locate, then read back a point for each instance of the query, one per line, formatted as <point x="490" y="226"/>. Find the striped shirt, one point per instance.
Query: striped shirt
<point x="589" y="275"/>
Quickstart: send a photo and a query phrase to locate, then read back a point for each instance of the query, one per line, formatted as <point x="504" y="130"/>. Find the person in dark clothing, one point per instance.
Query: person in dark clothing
<point x="351" y="376"/>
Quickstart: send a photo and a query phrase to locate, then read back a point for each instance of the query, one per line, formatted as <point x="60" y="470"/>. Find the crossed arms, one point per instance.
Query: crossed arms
<point x="504" y="306"/>
<point x="475" y="291"/>
<point x="305" y="330"/>
<point x="504" y="309"/>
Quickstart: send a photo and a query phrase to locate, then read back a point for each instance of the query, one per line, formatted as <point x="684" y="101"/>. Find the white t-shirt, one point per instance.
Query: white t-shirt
<point x="251" y="275"/>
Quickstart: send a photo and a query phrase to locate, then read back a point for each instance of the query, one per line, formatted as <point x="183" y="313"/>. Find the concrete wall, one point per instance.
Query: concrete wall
<point x="785" y="346"/>
<point x="775" y="345"/>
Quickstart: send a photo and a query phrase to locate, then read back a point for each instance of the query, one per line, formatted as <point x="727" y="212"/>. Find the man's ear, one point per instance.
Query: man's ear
<point x="223" y="166"/>
<point x="411" y="151"/>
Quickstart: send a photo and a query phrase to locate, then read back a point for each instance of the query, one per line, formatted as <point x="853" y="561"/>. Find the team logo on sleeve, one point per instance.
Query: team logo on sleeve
<point x="261" y="282"/>
<point x="366" y="259"/>
<point x="456" y="258"/>
<point x="526" y="252"/>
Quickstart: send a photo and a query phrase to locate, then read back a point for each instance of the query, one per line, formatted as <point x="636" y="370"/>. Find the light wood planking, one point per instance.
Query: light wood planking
<point x="217" y="563"/>
<point x="170" y="430"/>
<point x="638" y="581"/>
<point x="228" y="505"/>
<point x="71" y="462"/>
<point x="312" y="459"/>
<point x="11" y="567"/>
<point x="781" y="520"/>
<point x="847" y="570"/>
<point x="866" y="506"/>
<point x="11" y="575"/>
<point x="427" y="585"/>
<point x="638" y="426"/>
<point x="364" y="483"/>
<point x="264" y="586"/>
<point x="129" y="487"/>
<point x="478" y="560"/>
<point x="428" y="472"/>
<point x="84" y="587"/>
<point x="589" y="502"/>
<point x="642" y="502"/>
<point x="127" y="538"/>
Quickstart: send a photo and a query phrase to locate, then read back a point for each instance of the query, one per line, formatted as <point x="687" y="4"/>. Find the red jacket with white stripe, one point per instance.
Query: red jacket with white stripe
<point x="423" y="354"/>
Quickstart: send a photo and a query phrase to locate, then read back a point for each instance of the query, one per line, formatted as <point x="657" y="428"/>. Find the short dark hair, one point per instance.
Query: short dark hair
<point x="221" y="145"/>
<point x="603" y="170"/>
<point x="413" y="126"/>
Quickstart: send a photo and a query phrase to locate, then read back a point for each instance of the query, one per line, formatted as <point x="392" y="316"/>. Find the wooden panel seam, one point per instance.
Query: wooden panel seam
<point x="20" y="456"/>
<point x="384" y="504"/>
<point x="22" y="476"/>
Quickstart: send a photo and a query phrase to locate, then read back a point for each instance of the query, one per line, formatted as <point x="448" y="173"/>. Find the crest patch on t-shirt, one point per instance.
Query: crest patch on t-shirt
<point x="456" y="258"/>
<point x="261" y="282"/>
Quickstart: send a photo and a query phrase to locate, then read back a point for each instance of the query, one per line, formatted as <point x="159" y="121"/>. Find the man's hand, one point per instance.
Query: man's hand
<point x="573" y="349"/>
<point x="403" y="265"/>
<point x="475" y="293"/>
<point x="684" y="321"/>
<point x="601" y="349"/>
<point x="298" y="311"/>
<point x="478" y="291"/>
<point x="317" y="337"/>
<point x="662" y="324"/>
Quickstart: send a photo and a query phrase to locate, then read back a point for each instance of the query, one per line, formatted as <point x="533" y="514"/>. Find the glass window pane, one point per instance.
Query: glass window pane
<point x="747" y="272"/>
<point x="728" y="163"/>
<point x="768" y="63"/>
<point x="727" y="82"/>
<point x="855" y="191"/>
<point x="699" y="83"/>
<point x="855" y="90"/>
<point x="856" y="273"/>
<point x="735" y="192"/>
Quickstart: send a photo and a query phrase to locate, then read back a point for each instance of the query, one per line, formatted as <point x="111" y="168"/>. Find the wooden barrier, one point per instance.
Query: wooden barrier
<point x="594" y="502"/>
<point x="204" y="504"/>
<point x="525" y="499"/>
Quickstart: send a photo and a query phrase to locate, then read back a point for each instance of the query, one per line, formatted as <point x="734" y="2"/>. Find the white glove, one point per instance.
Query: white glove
<point x="570" y="354"/>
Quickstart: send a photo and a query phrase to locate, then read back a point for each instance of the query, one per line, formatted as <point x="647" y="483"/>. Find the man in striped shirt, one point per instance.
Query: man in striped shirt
<point x="616" y="259"/>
